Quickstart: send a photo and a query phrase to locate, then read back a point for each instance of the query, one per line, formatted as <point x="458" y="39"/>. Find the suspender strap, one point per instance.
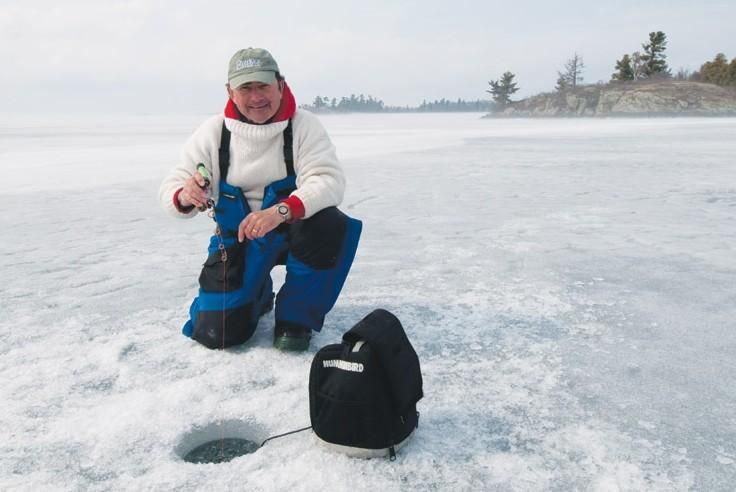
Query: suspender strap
<point x="224" y="151"/>
<point x="289" y="149"/>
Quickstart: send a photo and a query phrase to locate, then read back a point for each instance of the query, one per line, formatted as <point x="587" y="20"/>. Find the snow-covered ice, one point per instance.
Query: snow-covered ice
<point x="569" y="286"/>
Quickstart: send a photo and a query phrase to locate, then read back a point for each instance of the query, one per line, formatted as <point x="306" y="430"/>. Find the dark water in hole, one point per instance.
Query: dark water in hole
<point x="220" y="450"/>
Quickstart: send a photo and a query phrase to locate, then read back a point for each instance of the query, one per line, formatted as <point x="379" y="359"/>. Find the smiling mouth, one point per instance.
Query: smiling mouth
<point x="257" y="108"/>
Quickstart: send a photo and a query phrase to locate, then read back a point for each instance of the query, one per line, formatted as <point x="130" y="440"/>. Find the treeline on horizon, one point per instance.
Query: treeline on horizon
<point x="369" y="104"/>
<point x="647" y="65"/>
<point x="650" y="64"/>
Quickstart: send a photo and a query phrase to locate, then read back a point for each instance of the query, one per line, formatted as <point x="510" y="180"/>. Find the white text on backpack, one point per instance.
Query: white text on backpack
<point x="344" y="365"/>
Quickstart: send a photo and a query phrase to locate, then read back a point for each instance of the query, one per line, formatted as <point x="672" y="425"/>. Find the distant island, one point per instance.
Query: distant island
<point x="641" y="85"/>
<point x="369" y="104"/>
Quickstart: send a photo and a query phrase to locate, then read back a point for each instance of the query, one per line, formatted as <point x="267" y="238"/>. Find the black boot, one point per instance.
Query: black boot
<point x="291" y="336"/>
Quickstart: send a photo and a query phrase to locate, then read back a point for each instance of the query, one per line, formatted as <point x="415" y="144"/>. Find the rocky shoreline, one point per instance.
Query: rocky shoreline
<point x="646" y="99"/>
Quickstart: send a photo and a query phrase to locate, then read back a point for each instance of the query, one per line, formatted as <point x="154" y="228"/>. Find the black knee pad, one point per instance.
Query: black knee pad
<point x="222" y="329"/>
<point x="317" y="241"/>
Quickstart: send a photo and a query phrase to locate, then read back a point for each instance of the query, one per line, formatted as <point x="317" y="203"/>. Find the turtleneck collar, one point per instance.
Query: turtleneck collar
<point x="286" y="110"/>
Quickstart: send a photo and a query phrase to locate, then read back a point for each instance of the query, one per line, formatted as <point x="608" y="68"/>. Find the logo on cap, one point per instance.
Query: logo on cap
<point x="247" y="63"/>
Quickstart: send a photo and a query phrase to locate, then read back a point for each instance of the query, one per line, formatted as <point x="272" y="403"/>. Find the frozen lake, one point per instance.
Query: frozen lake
<point x="569" y="286"/>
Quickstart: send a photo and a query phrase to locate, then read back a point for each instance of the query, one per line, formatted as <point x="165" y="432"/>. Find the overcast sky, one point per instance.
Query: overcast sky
<point x="171" y="56"/>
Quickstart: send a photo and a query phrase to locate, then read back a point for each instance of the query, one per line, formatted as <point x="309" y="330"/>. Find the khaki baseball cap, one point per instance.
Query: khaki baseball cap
<point x="251" y="65"/>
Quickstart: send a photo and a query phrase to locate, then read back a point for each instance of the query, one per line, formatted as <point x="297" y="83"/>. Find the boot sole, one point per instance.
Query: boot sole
<point x="291" y="344"/>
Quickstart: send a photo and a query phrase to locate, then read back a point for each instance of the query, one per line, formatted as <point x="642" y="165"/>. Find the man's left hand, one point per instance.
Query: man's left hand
<point x="258" y="224"/>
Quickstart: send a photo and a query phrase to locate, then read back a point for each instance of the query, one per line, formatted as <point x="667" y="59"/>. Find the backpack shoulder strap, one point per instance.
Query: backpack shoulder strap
<point x="383" y="332"/>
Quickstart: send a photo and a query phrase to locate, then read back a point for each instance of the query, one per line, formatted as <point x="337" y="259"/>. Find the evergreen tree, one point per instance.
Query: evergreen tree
<point x="502" y="89"/>
<point x="655" y="64"/>
<point x="716" y="71"/>
<point x="624" y="69"/>
<point x="561" y="85"/>
<point x="318" y="103"/>
<point x="732" y="72"/>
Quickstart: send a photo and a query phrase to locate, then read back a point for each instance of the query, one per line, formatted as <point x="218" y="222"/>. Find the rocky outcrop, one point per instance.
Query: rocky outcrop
<point x="667" y="98"/>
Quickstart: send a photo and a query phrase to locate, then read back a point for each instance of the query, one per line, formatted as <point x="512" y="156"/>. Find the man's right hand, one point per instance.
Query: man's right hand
<point x="193" y="192"/>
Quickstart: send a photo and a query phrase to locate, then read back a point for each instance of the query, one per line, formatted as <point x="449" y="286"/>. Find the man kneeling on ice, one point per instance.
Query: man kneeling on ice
<point x="268" y="174"/>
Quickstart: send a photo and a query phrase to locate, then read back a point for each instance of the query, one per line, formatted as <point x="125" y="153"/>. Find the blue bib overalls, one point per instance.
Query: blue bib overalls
<point x="234" y="293"/>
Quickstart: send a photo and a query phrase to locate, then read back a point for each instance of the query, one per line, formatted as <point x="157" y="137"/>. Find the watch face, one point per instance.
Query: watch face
<point x="283" y="210"/>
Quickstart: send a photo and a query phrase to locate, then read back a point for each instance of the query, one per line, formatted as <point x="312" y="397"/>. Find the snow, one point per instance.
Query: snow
<point x="569" y="286"/>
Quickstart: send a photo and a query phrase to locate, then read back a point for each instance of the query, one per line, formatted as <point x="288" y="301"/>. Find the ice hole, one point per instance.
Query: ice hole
<point x="220" y="442"/>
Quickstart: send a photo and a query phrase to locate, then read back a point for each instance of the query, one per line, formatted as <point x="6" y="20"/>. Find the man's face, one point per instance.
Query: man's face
<point x="257" y="101"/>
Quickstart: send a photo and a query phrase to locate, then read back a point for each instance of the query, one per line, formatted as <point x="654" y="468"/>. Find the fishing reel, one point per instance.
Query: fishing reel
<point x="202" y="170"/>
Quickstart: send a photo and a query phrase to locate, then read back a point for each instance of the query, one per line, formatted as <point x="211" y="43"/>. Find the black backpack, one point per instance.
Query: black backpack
<point x="363" y="391"/>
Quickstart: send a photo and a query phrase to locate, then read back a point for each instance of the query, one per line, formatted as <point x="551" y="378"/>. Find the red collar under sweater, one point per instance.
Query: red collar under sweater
<point x="286" y="110"/>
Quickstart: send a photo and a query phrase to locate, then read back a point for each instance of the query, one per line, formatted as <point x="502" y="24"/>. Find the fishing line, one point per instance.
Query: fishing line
<point x="210" y="208"/>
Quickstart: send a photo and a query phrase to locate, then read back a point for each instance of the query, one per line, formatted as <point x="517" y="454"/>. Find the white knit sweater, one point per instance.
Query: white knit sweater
<point x="257" y="159"/>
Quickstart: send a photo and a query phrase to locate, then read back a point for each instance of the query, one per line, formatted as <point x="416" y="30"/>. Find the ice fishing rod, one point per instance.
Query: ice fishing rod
<point x="209" y="206"/>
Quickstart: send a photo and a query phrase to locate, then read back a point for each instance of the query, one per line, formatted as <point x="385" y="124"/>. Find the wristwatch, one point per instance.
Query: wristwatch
<point x="284" y="211"/>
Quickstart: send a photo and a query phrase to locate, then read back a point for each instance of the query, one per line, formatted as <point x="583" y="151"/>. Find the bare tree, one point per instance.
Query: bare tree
<point x="683" y="74"/>
<point x="572" y="74"/>
<point x="637" y="65"/>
